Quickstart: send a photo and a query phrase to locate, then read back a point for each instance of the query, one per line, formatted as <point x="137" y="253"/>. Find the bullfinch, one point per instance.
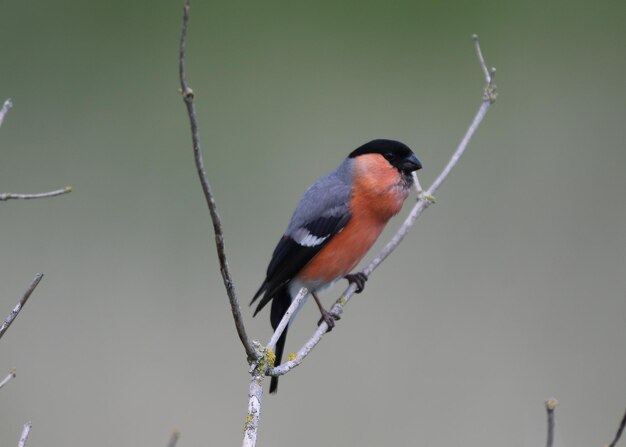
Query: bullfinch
<point x="334" y="225"/>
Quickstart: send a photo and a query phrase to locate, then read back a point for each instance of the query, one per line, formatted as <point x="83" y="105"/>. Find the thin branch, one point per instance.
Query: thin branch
<point x="550" y="407"/>
<point x="25" y="433"/>
<point x="174" y="438"/>
<point x="8" y="378"/>
<point x="5" y="108"/>
<point x="293" y="307"/>
<point x="425" y="200"/>
<point x="490" y="88"/>
<point x="18" y="307"/>
<point x="188" y="98"/>
<point x="620" y="430"/>
<point x="481" y="59"/>
<point x="416" y="184"/>
<point x="9" y="196"/>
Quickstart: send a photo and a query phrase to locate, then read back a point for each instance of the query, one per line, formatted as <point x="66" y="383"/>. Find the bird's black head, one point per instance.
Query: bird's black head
<point x="399" y="155"/>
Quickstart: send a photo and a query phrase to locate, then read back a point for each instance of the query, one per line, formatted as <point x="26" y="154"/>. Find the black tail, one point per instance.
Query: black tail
<point x="280" y="345"/>
<point x="280" y="304"/>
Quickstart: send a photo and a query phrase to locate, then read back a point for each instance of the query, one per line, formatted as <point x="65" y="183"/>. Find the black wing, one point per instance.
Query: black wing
<point x="295" y="251"/>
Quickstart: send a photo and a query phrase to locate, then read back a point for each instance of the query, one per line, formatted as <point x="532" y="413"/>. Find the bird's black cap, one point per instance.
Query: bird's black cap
<point x="397" y="153"/>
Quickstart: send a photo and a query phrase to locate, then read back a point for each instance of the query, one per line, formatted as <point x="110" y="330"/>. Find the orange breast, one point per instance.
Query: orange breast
<point x="343" y="252"/>
<point x="376" y="197"/>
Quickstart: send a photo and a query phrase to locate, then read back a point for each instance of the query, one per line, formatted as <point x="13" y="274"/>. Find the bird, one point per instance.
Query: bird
<point x="333" y="227"/>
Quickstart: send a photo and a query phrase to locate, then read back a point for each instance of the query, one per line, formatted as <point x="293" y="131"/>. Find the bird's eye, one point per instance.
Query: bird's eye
<point x="389" y="156"/>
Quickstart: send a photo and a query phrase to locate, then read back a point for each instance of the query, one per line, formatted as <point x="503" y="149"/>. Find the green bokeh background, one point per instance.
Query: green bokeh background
<point x="510" y="290"/>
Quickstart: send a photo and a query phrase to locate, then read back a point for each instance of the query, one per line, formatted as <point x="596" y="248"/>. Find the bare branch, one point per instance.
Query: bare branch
<point x="18" y="307"/>
<point x="620" y="430"/>
<point x="481" y="59"/>
<point x="257" y="371"/>
<point x="174" y="438"/>
<point x="295" y="304"/>
<point x="8" y="378"/>
<point x="188" y="98"/>
<point x="550" y="407"/>
<point x="5" y="108"/>
<point x="8" y="195"/>
<point x="255" y="397"/>
<point x="425" y="200"/>
<point x="25" y="433"/>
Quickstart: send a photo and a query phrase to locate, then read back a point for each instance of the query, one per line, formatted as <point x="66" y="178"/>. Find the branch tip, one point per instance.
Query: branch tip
<point x="20" y="305"/>
<point x="40" y="195"/>
<point x="550" y="407"/>
<point x="490" y="89"/>
<point x="620" y="430"/>
<point x="174" y="438"/>
<point x="551" y="404"/>
<point x="25" y="433"/>
<point x="5" y="108"/>
<point x="8" y="378"/>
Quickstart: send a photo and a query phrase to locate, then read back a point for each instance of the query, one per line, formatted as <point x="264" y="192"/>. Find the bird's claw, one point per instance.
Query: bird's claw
<point x="359" y="279"/>
<point x="329" y="318"/>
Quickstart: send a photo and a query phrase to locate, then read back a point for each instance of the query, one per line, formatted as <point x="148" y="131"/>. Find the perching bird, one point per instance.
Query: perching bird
<point x="334" y="225"/>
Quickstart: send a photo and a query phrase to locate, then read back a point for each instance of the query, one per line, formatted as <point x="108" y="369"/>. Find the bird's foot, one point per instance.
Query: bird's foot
<point x="329" y="318"/>
<point x="359" y="279"/>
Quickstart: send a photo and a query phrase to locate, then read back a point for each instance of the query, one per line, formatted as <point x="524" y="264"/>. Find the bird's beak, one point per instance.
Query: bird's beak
<point x="410" y="164"/>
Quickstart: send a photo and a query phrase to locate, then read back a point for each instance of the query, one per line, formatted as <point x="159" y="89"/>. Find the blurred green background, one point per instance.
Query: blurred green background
<point x="510" y="290"/>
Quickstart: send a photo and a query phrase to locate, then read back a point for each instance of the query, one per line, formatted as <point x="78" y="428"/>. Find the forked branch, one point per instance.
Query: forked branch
<point x="260" y="357"/>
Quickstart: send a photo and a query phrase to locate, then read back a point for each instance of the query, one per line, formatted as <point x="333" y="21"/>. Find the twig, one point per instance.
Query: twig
<point x="188" y="95"/>
<point x="8" y="195"/>
<point x="8" y="378"/>
<point x="490" y="89"/>
<point x="25" y="433"/>
<point x="174" y="438"/>
<point x="5" y="108"/>
<point x="620" y="430"/>
<point x="425" y="200"/>
<point x="295" y="304"/>
<point x="18" y="307"/>
<point x="550" y="407"/>
<point x="481" y="59"/>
